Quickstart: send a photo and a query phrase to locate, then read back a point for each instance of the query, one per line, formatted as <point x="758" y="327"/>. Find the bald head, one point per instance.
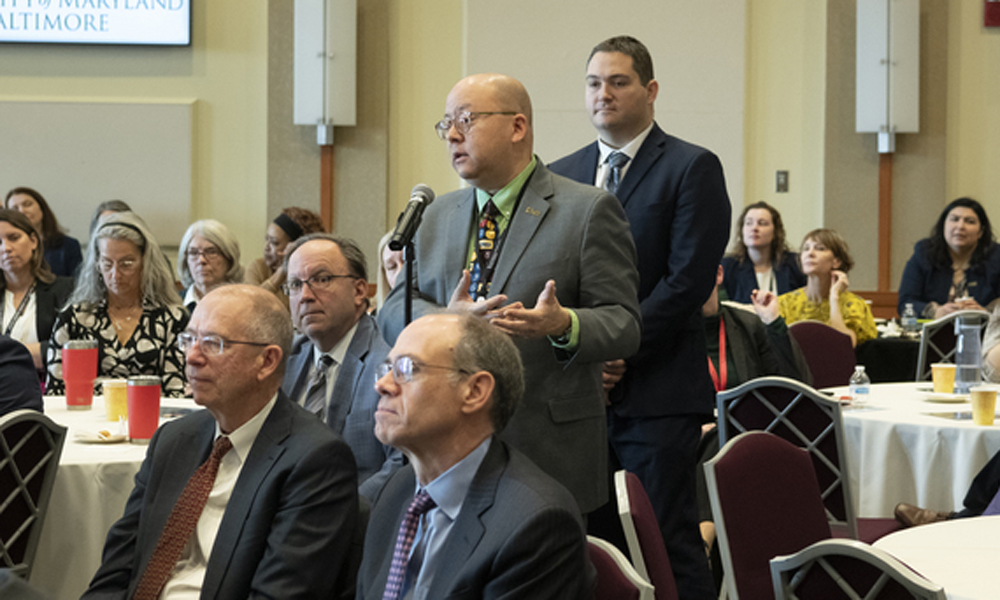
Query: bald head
<point x="499" y="141"/>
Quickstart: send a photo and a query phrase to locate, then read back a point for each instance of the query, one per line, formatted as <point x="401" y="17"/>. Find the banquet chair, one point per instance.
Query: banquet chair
<point x="642" y="534"/>
<point x="828" y="352"/>
<point x="810" y="420"/>
<point x="30" y="446"/>
<point x="848" y="569"/>
<point x="617" y="579"/>
<point x="766" y="502"/>
<point x="937" y="343"/>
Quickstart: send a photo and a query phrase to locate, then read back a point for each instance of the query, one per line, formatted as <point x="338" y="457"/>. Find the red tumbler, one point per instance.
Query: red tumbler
<point x="143" y="408"/>
<point x="79" y="369"/>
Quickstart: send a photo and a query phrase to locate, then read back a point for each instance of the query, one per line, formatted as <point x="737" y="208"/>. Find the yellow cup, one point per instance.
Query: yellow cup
<point x="984" y="404"/>
<point x="944" y="378"/>
<point x="116" y="398"/>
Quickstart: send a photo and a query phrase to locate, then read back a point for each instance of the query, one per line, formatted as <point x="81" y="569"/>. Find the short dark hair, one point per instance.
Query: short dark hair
<point x="356" y="261"/>
<point x="482" y="347"/>
<point x="835" y="243"/>
<point x="634" y="49"/>
<point x="938" y="248"/>
<point x="52" y="233"/>
<point x="107" y="206"/>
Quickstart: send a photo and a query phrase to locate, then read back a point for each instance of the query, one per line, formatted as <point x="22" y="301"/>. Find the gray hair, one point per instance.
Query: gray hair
<point x="270" y="323"/>
<point x="356" y="261"/>
<point x="218" y="235"/>
<point x="157" y="282"/>
<point x="482" y="347"/>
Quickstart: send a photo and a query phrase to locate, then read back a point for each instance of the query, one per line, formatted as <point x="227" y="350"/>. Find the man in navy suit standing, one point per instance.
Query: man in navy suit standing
<point x="674" y="194"/>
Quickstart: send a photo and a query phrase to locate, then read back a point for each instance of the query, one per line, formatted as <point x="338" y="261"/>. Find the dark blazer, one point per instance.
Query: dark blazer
<point x="739" y="278"/>
<point x="518" y="535"/>
<point x="759" y="350"/>
<point x="19" y="386"/>
<point x="350" y="409"/>
<point x="924" y="282"/>
<point x="674" y="195"/>
<point x="50" y="298"/>
<point x="287" y="530"/>
<point x="578" y="236"/>
<point x="64" y="256"/>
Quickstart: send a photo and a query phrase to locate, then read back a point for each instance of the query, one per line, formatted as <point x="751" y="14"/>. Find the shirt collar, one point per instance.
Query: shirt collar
<point x="339" y="350"/>
<point x="449" y="489"/>
<point x="506" y="197"/>
<point x="630" y="149"/>
<point x="245" y="435"/>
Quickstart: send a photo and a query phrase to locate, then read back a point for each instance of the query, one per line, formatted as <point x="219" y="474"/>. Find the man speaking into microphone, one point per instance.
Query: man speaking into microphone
<point x="547" y="260"/>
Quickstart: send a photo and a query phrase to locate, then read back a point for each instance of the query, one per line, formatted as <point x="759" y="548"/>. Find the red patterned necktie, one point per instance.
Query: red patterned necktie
<point x="422" y="503"/>
<point x="181" y="524"/>
<point x="485" y="246"/>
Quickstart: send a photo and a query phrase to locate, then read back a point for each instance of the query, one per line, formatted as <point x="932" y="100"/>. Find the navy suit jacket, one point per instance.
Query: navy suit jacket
<point x="518" y="535"/>
<point x="350" y="409"/>
<point x="674" y="195"/>
<point x="65" y="257"/>
<point x="577" y="236"/>
<point x="287" y="530"/>
<point x="19" y="387"/>
<point x="739" y="278"/>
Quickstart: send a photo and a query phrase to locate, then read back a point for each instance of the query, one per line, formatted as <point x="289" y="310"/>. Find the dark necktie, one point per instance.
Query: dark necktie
<point x="316" y="396"/>
<point x="181" y="524"/>
<point x="422" y="503"/>
<point x="616" y="162"/>
<point x="485" y="246"/>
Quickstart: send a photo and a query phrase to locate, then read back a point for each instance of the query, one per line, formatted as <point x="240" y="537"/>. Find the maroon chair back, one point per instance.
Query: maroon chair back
<point x="828" y="352"/>
<point x="647" y="533"/>
<point x="766" y="503"/>
<point x="612" y="583"/>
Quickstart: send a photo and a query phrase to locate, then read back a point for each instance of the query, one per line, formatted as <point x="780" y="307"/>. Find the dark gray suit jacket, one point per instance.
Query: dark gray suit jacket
<point x="577" y="235"/>
<point x="518" y="535"/>
<point x="287" y="530"/>
<point x="350" y="409"/>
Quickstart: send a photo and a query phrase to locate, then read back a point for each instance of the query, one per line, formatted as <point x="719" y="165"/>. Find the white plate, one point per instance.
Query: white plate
<point x="947" y="398"/>
<point x="87" y="437"/>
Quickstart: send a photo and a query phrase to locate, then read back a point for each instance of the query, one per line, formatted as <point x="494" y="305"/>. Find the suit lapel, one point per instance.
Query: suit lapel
<point x="469" y="529"/>
<point x="650" y="152"/>
<point x="299" y="365"/>
<point x="342" y="399"/>
<point x="263" y="454"/>
<point x="585" y="169"/>
<point x="528" y="218"/>
<point x="459" y="224"/>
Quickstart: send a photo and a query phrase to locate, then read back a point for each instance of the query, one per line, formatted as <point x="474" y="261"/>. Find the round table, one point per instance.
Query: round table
<point x="92" y="485"/>
<point x="958" y="555"/>
<point x="898" y="452"/>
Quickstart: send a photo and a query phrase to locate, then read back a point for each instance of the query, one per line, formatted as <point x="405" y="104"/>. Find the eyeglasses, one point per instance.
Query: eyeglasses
<point x="463" y="122"/>
<point x="124" y="266"/>
<point x="404" y="368"/>
<point x="316" y="283"/>
<point x="209" y="344"/>
<point x="209" y="253"/>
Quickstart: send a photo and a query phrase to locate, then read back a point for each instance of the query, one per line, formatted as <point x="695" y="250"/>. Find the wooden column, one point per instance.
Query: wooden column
<point x="884" y="221"/>
<point x="326" y="186"/>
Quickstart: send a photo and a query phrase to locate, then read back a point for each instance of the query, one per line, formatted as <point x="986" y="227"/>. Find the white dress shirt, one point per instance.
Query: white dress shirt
<point x="630" y="149"/>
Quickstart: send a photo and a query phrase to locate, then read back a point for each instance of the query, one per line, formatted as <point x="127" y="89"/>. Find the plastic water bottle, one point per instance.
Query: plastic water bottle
<point x="968" y="358"/>
<point x="860" y="386"/>
<point x="908" y="320"/>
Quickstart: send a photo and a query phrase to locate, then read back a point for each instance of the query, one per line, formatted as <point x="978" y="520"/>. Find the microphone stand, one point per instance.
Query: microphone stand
<point x="409" y="255"/>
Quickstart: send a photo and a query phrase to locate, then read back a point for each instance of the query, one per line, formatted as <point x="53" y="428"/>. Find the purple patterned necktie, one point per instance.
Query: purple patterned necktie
<point x="422" y="503"/>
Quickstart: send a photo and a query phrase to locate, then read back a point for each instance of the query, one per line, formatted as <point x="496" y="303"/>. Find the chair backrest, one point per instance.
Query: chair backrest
<point x="828" y="352"/>
<point x="617" y="579"/>
<point x="30" y="446"/>
<point x="829" y="568"/>
<point x="642" y="533"/>
<point x="765" y="501"/>
<point x="937" y="341"/>
<point x="808" y="419"/>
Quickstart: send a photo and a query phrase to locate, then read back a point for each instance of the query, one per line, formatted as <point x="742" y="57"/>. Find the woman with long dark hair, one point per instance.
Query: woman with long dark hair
<point x="62" y="252"/>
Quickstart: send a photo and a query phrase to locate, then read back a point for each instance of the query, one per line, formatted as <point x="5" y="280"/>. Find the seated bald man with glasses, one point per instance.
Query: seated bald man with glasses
<point x="469" y="517"/>
<point x="252" y="497"/>
<point x="331" y="366"/>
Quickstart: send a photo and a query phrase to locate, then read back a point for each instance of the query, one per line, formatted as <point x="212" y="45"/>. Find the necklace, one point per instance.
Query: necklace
<point x="119" y="322"/>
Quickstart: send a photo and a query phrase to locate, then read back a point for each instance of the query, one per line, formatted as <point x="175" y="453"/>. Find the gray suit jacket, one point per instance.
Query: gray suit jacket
<point x="287" y="530"/>
<point x="350" y="409"/>
<point x="577" y="235"/>
<point x="518" y="535"/>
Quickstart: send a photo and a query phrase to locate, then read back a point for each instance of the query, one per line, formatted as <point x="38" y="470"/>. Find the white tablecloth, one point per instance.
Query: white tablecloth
<point x="897" y="453"/>
<point x="960" y="555"/>
<point x="91" y="488"/>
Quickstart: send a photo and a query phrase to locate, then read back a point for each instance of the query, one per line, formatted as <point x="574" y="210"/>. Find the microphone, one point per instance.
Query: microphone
<point x="406" y="226"/>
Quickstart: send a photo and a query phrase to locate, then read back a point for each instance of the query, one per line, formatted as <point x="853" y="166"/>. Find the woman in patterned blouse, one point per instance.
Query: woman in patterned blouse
<point x="125" y="300"/>
<point x="825" y="263"/>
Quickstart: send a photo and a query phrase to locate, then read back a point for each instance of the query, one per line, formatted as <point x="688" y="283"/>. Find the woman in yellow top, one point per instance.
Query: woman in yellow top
<point x="825" y="263"/>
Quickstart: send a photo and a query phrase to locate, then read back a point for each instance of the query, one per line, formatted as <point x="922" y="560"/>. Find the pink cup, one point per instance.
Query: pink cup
<point x="79" y="368"/>
<point x="143" y="408"/>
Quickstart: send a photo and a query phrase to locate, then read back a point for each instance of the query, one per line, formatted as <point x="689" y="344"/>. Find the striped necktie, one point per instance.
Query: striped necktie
<point x="422" y="503"/>
<point x="316" y="396"/>
<point x="616" y="162"/>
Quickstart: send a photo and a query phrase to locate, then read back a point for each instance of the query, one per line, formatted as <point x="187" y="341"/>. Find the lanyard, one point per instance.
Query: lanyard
<point x="719" y="378"/>
<point x="20" y="308"/>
